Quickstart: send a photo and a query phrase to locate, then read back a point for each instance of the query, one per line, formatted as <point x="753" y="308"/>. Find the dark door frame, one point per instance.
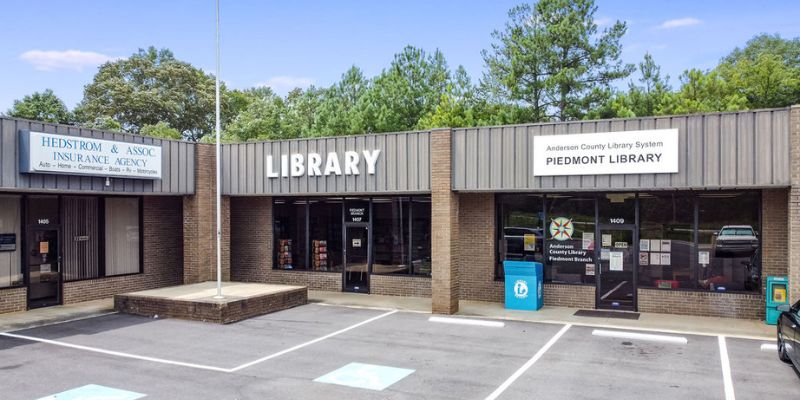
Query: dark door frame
<point x="28" y="228"/>
<point x="367" y="226"/>
<point x="634" y="228"/>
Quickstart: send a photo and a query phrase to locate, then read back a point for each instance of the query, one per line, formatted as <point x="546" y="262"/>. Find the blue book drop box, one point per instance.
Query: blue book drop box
<point x="523" y="285"/>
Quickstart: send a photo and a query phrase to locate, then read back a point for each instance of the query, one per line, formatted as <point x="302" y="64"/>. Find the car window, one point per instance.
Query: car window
<point x="737" y="232"/>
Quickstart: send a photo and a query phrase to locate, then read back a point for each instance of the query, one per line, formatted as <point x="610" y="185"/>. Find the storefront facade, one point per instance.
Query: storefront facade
<point x="690" y="220"/>
<point x="338" y="214"/>
<point x="85" y="214"/>
<point x="677" y="214"/>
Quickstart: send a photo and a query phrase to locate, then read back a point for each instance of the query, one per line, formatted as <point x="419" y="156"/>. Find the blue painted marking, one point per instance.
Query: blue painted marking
<point x="365" y="376"/>
<point x="95" y="392"/>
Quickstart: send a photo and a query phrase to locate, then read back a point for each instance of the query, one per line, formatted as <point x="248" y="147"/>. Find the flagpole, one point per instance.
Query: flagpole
<point x="219" y="183"/>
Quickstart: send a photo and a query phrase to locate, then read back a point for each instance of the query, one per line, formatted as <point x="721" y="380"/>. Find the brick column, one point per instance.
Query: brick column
<point x="444" y="227"/>
<point x="199" y="223"/>
<point x="794" y="203"/>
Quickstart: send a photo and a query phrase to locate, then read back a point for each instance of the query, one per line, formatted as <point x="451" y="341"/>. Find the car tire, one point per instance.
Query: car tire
<point x="782" y="348"/>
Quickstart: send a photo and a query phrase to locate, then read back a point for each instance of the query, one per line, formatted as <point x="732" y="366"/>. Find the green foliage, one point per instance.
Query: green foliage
<point x="411" y="87"/>
<point x="41" y="106"/>
<point x="104" y="123"/>
<point x="651" y="96"/>
<point x="149" y="87"/>
<point x="705" y="92"/>
<point x="339" y="111"/>
<point x="766" y="71"/>
<point x="161" y="130"/>
<point x="552" y="58"/>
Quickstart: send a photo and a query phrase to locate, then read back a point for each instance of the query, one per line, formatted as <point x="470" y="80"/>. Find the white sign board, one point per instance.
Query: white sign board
<point x="632" y="152"/>
<point x="615" y="261"/>
<point x="75" y="155"/>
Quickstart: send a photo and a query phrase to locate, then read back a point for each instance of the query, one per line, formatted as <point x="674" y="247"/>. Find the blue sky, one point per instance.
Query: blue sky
<point x="59" y="44"/>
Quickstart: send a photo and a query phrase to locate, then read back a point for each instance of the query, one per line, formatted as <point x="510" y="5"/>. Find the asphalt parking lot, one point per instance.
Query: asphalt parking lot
<point x="326" y="352"/>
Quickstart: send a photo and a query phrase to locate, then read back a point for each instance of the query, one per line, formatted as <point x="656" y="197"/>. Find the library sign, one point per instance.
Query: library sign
<point x="75" y="155"/>
<point x="608" y="153"/>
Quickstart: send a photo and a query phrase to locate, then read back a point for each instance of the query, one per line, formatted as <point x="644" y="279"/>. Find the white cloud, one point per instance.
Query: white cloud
<point x="679" y="22"/>
<point x="603" y="21"/>
<point x="75" y="60"/>
<point x="285" y="83"/>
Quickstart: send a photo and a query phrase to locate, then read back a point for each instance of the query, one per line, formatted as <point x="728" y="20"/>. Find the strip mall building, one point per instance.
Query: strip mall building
<point x="675" y="214"/>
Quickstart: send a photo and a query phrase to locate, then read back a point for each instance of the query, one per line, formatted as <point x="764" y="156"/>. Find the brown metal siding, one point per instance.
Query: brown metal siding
<point x="719" y="150"/>
<point x="402" y="167"/>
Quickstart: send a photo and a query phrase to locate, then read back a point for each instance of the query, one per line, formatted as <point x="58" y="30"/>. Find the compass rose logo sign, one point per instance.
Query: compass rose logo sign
<point x="561" y="228"/>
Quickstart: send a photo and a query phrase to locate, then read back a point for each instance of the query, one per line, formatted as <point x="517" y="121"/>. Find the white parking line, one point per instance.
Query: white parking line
<point x="467" y="321"/>
<point x="640" y="336"/>
<point x="726" y="369"/>
<point x="192" y="365"/>
<point x="500" y="389"/>
<point x="310" y="342"/>
<point x="769" y="347"/>
<point x="115" y="353"/>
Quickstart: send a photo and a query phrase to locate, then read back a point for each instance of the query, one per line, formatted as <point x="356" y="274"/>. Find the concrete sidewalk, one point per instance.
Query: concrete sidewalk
<point x="50" y="315"/>
<point x="683" y="324"/>
<point x="553" y="315"/>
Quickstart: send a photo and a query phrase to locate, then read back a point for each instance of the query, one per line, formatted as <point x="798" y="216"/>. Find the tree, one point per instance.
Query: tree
<point x="338" y="112"/>
<point x="161" y="130"/>
<point x="705" y="92"/>
<point x="300" y="111"/>
<point x="552" y="59"/>
<point x="264" y="118"/>
<point x="149" y="87"/>
<point x="41" y="106"/>
<point x="766" y="71"/>
<point x="650" y="97"/>
<point x="411" y="87"/>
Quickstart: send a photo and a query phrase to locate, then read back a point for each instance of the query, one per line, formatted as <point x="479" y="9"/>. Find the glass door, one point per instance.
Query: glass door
<point x="44" y="272"/>
<point x="356" y="258"/>
<point x="616" y="284"/>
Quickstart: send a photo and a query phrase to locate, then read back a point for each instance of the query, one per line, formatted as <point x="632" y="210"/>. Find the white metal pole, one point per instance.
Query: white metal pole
<point x="219" y="183"/>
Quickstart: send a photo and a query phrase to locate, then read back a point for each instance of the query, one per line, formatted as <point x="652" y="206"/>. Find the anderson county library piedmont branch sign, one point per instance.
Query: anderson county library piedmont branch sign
<point x="74" y="155"/>
<point x="630" y="152"/>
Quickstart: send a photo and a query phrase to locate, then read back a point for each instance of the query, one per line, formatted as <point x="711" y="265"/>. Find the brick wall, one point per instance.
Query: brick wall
<point x="710" y="304"/>
<point x="794" y="204"/>
<point x="444" y="226"/>
<point x="774" y="234"/>
<point x="251" y="239"/>
<point x="13" y="300"/>
<point x="162" y="257"/>
<point x="400" y="285"/>
<point x="199" y="223"/>
<point x="476" y="249"/>
<point x="577" y="296"/>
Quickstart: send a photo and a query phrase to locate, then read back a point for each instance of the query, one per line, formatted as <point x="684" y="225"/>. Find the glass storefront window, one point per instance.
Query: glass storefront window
<point x="325" y="231"/>
<point x="390" y="235"/>
<point x="666" y="241"/>
<point x="569" y="247"/>
<point x="80" y="258"/>
<point x="521" y="230"/>
<point x="400" y="239"/>
<point x="290" y="234"/>
<point x="10" y="242"/>
<point x="421" y="236"/>
<point x="729" y="245"/>
<point x="122" y="237"/>
<point x="617" y="208"/>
